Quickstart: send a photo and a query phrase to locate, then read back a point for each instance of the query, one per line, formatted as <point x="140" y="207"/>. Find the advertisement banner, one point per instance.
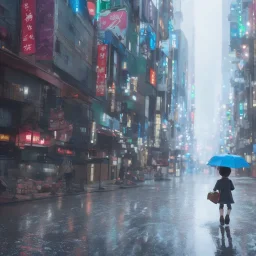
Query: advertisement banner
<point x="116" y="22"/>
<point x="32" y="138"/>
<point x="28" y="8"/>
<point x="63" y="129"/>
<point x="45" y="29"/>
<point x="101" y="82"/>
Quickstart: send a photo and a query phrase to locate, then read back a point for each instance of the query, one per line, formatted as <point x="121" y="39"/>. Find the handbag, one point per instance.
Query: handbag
<point x="213" y="197"/>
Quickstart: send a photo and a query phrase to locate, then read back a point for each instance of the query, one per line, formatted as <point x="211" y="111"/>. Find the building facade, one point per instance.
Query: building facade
<point x="47" y="74"/>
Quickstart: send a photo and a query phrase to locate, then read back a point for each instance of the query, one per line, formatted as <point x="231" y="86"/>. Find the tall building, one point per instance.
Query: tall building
<point x="47" y="74"/>
<point x="188" y="26"/>
<point x="226" y="120"/>
<point x="241" y="105"/>
<point x="86" y="86"/>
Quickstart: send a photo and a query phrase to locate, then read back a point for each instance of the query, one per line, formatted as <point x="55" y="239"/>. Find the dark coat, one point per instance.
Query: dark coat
<point x="225" y="186"/>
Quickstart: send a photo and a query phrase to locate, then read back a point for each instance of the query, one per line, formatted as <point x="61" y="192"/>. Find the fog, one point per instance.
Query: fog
<point x="204" y="19"/>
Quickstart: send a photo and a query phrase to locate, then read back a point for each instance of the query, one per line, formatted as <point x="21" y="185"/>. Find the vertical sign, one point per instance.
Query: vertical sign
<point x="45" y="29"/>
<point x="152" y="77"/>
<point x="101" y="82"/>
<point x="28" y="8"/>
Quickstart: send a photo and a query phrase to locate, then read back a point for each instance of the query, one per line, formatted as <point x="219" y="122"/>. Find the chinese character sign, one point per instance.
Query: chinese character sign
<point x="101" y="70"/>
<point x="28" y="8"/>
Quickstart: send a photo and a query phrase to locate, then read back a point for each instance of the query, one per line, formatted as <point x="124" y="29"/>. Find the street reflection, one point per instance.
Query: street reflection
<point x="143" y="221"/>
<point x="88" y="204"/>
<point x="223" y="241"/>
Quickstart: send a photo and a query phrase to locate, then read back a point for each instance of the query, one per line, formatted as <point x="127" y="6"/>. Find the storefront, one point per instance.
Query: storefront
<point x="9" y="120"/>
<point x="24" y="135"/>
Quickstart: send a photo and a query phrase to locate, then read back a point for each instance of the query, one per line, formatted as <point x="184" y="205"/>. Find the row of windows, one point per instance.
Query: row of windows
<point x="76" y="33"/>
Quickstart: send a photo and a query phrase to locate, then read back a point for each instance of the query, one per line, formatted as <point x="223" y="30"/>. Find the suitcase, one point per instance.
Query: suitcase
<point x="213" y="197"/>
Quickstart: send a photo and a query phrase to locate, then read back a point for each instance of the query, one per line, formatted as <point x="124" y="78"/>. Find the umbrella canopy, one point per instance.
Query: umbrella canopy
<point x="231" y="161"/>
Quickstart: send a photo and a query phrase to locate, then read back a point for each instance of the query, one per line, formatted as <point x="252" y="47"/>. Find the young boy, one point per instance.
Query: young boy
<point x="225" y="186"/>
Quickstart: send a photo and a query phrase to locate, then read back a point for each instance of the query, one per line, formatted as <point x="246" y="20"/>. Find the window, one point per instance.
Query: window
<point x="57" y="46"/>
<point x="90" y="114"/>
<point x="2" y="10"/>
<point x="66" y="59"/>
<point x="158" y="103"/>
<point x="83" y="129"/>
<point x="92" y="173"/>
<point x="71" y="28"/>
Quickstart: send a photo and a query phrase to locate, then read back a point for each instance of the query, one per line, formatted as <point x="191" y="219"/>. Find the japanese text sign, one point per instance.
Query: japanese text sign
<point x="28" y="8"/>
<point x="101" y="70"/>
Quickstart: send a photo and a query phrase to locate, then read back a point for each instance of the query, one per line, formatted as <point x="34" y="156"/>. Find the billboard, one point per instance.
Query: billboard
<point x="28" y="9"/>
<point x="45" y="29"/>
<point x="101" y="81"/>
<point x="116" y="22"/>
<point x="63" y="129"/>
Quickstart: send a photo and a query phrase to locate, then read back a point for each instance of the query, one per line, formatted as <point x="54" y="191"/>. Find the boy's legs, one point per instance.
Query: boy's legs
<point x="221" y="209"/>
<point x="227" y="219"/>
<point x="229" y="209"/>
<point x="221" y="214"/>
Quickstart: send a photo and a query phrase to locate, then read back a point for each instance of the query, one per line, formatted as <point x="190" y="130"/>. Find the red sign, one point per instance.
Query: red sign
<point x="152" y="77"/>
<point x="32" y="138"/>
<point x="91" y="8"/>
<point x="28" y="9"/>
<point x="63" y="151"/>
<point x="116" y="22"/>
<point x="101" y="70"/>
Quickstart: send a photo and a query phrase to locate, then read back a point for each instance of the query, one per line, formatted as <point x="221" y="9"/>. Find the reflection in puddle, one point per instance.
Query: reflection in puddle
<point x="223" y="241"/>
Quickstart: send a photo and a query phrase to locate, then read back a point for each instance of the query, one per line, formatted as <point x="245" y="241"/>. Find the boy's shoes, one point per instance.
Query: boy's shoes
<point x="227" y="219"/>
<point x="222" y="220"/>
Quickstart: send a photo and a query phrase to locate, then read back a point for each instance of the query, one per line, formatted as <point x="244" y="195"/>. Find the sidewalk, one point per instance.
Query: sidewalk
<point x="6" y="198"/>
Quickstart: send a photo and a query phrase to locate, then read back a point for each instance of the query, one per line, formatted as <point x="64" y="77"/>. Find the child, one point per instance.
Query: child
<point x="225" y="186"/>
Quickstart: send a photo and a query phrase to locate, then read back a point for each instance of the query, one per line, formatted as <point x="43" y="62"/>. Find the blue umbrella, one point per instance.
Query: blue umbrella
<point x="232" y="161"/>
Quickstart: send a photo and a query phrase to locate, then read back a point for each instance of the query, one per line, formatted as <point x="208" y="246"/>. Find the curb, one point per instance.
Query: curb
<point x="56" y="196"/>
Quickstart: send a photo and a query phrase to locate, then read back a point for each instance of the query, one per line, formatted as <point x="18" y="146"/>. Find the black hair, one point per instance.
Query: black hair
<point x="224" y="171"/>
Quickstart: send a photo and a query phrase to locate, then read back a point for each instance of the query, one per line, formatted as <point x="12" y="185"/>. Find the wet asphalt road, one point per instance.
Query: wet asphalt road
<point x="161" y="218"/>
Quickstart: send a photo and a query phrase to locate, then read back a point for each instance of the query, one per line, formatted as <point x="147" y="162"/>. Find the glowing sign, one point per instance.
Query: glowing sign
<point x="4" y="137"/>
<point x="152" y="77"/>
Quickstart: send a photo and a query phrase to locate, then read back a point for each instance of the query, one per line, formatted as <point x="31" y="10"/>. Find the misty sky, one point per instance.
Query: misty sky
<point x="207" y="18"/>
